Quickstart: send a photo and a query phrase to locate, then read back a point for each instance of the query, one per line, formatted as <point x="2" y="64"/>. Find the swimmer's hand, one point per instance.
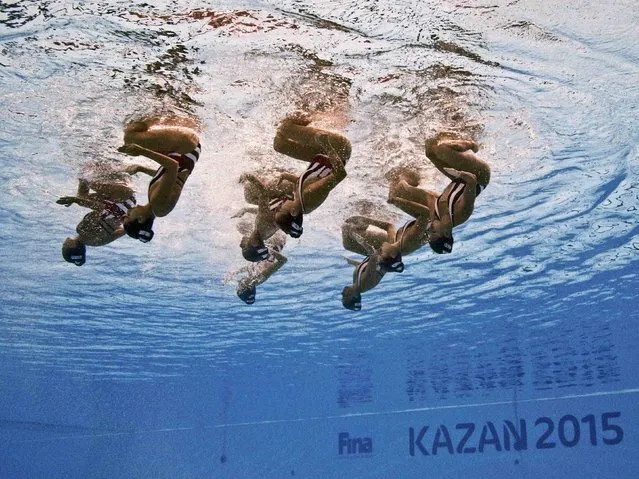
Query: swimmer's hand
<point x="131" y="149"/>
<point x="352" y="262"/>
<point x="393" y="200"/>
<point x="244" y="177"/>
<point x="462" y="175"/>
<point x="66" y="200"/>
<point x="245" y="210"/>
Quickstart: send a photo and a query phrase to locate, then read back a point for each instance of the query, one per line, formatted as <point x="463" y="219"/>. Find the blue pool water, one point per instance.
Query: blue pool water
<point x="515" y="356"/>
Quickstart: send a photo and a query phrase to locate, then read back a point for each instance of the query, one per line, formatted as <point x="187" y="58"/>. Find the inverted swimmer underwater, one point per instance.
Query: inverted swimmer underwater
<point x="436" y="214"/>
<point x="109" y="195"/>
<point x="327" y="152"/>
<point x="381" y="257"/>
<point x="259" y="273"/>
<point x="172" y="143"/>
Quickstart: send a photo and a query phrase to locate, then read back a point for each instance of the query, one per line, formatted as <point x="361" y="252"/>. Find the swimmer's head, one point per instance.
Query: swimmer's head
<point x="142" y="231"/>
<point x="74" y="251"/>
<point x="246" y="292"/>
<point x="441" y="245"/>
<point x="351" y="298"/>
<point x="440" y="239"/>
<point x="253" y="249"/>
<point x="391" y="258"/>
<point x="138" y="223"/>
<point x="289" y="223"/>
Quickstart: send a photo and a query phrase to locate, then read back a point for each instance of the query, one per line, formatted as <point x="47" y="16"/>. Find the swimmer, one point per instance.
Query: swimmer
<point x="258" y="274"/>
<point x="258" y="191"/>
<point x="110" y="204"/>
<point x="283" y="203"/>
<point x="327" y="152"/>
<point x="440" y="213"/>
<point x="176" y="148"/>
<point x="381" y="257"/>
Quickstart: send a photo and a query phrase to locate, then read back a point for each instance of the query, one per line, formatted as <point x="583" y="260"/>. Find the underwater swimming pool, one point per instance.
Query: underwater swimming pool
<point x="511" y="357"/>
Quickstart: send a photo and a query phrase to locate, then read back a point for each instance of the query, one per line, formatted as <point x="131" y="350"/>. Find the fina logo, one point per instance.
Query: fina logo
<point x="353" y="446"/>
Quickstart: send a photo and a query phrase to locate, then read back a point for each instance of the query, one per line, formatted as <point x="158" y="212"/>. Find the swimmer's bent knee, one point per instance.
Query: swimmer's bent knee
<point x="336" y="143"/>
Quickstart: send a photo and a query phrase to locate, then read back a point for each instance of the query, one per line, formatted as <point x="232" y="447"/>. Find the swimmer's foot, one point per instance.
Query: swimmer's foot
<point x="399" y="173"/>
<point x="136" y="126"/>
<point x="298" y="118"/>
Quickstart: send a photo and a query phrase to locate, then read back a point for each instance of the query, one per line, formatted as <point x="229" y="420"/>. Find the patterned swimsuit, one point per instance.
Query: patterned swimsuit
<point x="112" y="214"/>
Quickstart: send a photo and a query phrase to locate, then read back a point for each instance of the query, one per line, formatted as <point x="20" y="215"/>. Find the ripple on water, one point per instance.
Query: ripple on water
<point x="551" y="102"/>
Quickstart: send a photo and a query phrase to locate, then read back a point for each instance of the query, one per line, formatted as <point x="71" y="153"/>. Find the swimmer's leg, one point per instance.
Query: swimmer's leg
<point x="113" y="191"/>
<point x="136" y="127"/>
<point x="460" y="155"/>
<point x="401" y="187"/>
<point x="355" y="229"/>
<point x="305" y="142"/>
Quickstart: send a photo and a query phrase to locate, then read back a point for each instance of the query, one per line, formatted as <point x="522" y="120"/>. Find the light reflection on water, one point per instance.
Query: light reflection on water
<point x="552" y="105"/>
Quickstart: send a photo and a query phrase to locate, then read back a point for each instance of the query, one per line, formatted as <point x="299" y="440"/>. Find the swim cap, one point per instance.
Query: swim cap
<point x="253" y="253"/>
<point x="442" y="245"/>
<point x="289" y="224"/>
<point x="140" y="231"/>
<point x="351" y="298"/>
<point x="246" y="293"/>
<point x="74" y="251"/>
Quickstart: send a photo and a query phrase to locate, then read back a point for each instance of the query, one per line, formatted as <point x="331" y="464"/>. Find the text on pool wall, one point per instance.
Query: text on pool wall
<point x="471" y="438"/>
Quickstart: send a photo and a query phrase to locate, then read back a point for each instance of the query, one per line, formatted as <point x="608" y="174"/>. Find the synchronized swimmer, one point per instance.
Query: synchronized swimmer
<point x="436" y="214"/>
<point x="176" y="149"/>
<point x="111" y="200"/>
<point x="281" y="203"/>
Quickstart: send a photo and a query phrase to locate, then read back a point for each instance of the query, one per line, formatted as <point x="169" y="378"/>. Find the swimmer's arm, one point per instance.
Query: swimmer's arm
<point x="284" y="185"/>
<point x="255" y="181"/>
<point x="384" y="225"/>
<point x="134" y="149"/>
<point x="247" y="209"/>
<point x="134" y="169"/>
<point x="364" y="222"/>
<point x="410" y="207"/>
<point x="262" y="191"/>
<point x="85" y="202"/>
